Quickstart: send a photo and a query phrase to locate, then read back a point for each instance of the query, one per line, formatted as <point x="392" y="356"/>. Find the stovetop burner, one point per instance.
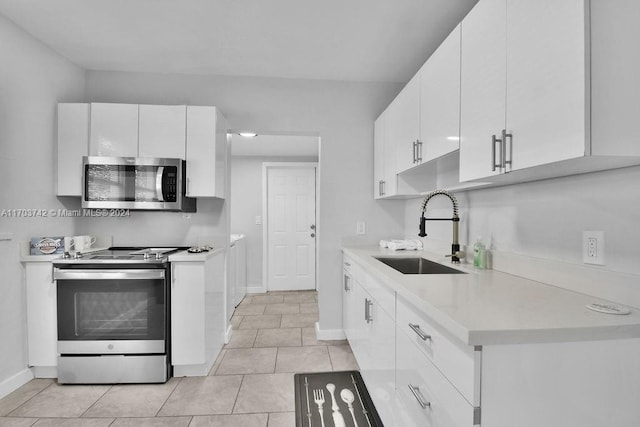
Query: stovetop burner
<point x="123" y="255"/>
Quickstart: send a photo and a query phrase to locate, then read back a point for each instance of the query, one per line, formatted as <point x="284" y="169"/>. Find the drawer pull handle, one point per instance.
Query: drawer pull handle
<point x="419" y="397"/>
<point x="417" y="330"/>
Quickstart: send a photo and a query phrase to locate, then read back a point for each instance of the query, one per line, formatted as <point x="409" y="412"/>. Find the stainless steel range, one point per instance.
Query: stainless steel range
<point x="113" y="316"/>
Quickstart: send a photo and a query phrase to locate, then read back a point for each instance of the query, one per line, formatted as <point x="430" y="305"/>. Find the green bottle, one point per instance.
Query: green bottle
<point x="479" y="255"/>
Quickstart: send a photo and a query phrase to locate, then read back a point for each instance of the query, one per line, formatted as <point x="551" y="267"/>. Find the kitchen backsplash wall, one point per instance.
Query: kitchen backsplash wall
<point x="545" y="219"/>
<point x="33" y="79"/>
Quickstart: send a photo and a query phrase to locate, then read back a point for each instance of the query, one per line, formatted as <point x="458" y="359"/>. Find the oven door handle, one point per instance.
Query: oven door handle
<point x="115" y="274"/>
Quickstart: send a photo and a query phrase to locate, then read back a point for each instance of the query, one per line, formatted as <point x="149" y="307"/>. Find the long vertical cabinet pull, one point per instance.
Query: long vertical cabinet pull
<point x="419" y="151"/>
<point x="415" y="152"/>
<point x="506" y="162"/>
<point x="496" y="165"/>
<point x="347" y="283"/>
<point x="367" y="310"/>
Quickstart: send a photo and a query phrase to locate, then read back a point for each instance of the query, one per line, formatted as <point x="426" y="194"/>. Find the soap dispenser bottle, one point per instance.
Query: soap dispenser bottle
<point x="479" y="255"/>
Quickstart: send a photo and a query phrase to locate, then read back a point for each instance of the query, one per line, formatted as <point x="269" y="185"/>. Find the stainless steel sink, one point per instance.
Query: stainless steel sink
<point x="415" y="265"/>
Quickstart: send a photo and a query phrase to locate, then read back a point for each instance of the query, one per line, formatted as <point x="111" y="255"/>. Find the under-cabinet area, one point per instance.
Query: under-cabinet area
<point x="486" y="348"/>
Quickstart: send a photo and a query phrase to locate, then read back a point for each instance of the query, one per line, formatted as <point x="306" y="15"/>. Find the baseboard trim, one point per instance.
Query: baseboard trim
<point x="256" y="290"/>
<point x="14" y="382"/>
<point x="228" y="333"/>
<point x="329" y="334"/>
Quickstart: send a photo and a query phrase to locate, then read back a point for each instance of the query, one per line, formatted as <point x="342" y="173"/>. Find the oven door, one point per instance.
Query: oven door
<point x="111" y="311"/>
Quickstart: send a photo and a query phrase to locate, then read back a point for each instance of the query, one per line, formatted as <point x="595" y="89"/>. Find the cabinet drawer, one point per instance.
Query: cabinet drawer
<point x="436" y="402"/>
<point x="458" y="362"/>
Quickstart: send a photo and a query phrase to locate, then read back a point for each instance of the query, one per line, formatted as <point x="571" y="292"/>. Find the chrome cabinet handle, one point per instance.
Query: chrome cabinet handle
<point x="367" y="310"/>
<point x="494" y="141"/>
<point x="419" y="151"/>
<point x="506" y="162"/>
<point x="415" y="151"/>
<point x="420" y="332"/>
<point x="419" y="397"/>
<point x="347" y="285"/>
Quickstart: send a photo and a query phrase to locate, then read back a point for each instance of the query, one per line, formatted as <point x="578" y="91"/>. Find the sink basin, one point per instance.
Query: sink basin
<point x="414" y="265"/>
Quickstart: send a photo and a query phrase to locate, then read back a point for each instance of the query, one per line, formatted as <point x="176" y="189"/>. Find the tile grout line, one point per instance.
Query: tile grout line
<point x="169" y="396"/>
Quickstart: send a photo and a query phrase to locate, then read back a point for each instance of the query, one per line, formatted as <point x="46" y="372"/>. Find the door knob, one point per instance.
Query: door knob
<point x="313" y="226"/>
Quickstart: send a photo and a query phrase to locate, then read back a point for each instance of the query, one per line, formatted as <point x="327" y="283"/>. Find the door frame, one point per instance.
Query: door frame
<point x="265" y="214"/>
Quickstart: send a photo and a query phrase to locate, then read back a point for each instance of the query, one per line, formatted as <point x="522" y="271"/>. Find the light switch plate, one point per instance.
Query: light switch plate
<point x="360" y="227"/>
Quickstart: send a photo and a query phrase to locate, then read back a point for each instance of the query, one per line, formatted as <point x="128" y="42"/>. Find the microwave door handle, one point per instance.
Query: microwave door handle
<point x="159" y="176"/>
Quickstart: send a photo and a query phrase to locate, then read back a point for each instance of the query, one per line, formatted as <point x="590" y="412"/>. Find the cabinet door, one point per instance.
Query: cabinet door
<point x="378" y="367"/>
<point x="114" y="130"/>
<point x="187" y="313"/>
<point x="440" y="99"/>
<point x="73" y="143"/>
<point x="403" y="124"/>
<point x="546" y="81"/>
<point x="482" y="87"/>
<point x="162" y="131"/>
<point x="206" y="152"/>
<point x="42" y="320"/>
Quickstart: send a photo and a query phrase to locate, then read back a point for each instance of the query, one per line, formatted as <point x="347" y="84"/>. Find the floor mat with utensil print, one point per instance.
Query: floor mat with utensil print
<point x="333" y="399"/>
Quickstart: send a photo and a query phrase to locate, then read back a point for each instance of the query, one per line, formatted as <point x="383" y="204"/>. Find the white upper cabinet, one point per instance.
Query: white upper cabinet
<point x="483" y="88"/>
<point x="114" y="130"/>
<point x="162" y="131"/>
<point x="534" y="77"/>
<point x="440" y="100"/>
<point x="73" y="143"/>
<point x="206" y="152"/>
<point x="403" y="125"/>
<point x="385" y="179"/>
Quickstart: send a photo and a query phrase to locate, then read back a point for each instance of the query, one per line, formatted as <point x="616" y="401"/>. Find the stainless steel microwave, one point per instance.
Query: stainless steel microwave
<point x="135" y="183"/>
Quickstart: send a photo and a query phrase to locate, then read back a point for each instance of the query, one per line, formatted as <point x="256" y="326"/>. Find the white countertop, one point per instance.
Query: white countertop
<point x="487" y="307"/>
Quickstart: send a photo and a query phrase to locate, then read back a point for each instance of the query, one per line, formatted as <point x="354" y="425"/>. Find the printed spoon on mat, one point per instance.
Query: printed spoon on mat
<point x="347" y="396"/>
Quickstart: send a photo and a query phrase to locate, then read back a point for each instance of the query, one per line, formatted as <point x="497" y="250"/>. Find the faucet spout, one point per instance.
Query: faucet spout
<point x="455" y="219"/>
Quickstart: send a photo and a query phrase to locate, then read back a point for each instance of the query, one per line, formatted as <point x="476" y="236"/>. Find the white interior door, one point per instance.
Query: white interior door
<point x="291" y="228"/>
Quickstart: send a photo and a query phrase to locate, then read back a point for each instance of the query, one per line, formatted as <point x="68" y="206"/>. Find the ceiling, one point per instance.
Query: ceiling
<point x="275" y="146"/>
<point x="352" y="40"/>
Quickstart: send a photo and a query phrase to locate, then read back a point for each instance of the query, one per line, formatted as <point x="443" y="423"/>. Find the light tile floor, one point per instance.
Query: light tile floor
<point x="251" y="383"/>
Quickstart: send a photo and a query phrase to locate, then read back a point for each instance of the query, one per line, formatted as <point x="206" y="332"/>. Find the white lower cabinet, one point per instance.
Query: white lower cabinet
<point x="424" y="397"/>
<point x="42" y="320"/>
<point x="197" y="314"/>
<point x="377" y="361"/>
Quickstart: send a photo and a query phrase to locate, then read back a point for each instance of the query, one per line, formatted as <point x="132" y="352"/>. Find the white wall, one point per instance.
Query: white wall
<point x="342" y="113"/>
<point x="246" y="204"/>
<point x="33" y="79"/>
<point x="545" y="219"/>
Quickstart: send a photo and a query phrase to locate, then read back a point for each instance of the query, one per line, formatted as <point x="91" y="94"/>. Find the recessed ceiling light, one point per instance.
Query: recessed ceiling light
<point x="248" y="134"/>
<point x="453" y="138"/>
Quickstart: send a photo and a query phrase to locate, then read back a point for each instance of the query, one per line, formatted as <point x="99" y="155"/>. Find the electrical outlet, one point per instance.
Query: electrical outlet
<point x="258" y="220"/>
<point x="360" y="227"/>
<point x="593" y="247"/>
